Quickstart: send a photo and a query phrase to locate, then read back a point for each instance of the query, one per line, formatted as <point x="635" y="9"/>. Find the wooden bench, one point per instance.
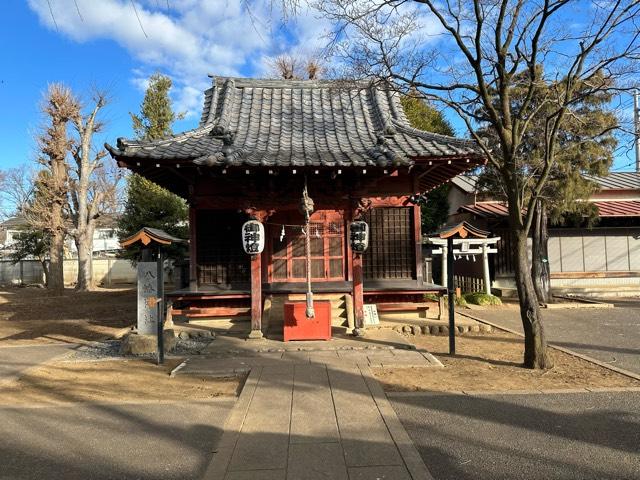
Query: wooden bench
<point x="420" y="307"/>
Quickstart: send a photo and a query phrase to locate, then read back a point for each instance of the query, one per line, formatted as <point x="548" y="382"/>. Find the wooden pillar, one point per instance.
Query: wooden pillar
<point x="417" y="229"/>
<point x="256" y="296"/>
<point x="358" y="291"/>
<point x="485" y="270"/>
<point x="193" y="256"/>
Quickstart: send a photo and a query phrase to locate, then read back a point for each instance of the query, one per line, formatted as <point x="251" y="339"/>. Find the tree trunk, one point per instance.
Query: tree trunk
<point x="84" y="243"/>
<point x="540" y="255"/>
<point x="535" y="345"/>
<point x="55" y="281"/>
<point x="45" y="271"/>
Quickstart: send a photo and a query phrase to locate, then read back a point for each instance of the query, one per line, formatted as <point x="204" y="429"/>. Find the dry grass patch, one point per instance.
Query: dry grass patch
<point x="105" y="381"/>
<point x="493" y="363"/>
<point x="31" y="316"/>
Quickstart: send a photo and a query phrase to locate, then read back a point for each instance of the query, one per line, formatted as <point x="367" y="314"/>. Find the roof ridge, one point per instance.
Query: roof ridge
<point x="243" y="82"/>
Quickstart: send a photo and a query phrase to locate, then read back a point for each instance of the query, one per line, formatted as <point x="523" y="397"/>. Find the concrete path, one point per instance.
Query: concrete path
<point x="15" y="360"/>
<point x="572" y="436"/>
<point x="307" y="421"/>
<point x="611" y="335"/>
<point x="142" y="441"/>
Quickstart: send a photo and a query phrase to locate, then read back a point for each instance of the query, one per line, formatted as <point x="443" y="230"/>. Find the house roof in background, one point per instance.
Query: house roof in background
<point x="466" y="183"/>
<point x="612" y="181"/>
<point x="486" y="209"/>
<point x="14" y="222"/>
<point x="107" y="220"/>
<point x="299" y="123"/>
<point x="606" y="209"/>
<point x="619" y="181"/>
<point x="618" y="208"/>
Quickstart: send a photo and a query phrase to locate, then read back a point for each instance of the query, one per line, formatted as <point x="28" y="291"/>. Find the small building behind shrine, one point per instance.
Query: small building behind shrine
<point x="599" y="257"/>
<point x="258" y="144"/>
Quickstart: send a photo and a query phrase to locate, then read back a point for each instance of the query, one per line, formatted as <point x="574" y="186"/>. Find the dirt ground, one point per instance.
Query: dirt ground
<point x="31" y="316"/>
<point x="106" y="381"/>
<point x="493" y="363"/>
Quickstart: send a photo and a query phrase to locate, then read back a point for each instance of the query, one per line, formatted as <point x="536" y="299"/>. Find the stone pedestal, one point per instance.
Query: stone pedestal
<point x="138" y="344"/>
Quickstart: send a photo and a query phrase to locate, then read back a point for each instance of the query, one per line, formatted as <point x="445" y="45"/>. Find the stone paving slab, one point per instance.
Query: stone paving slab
<point x="306" y="421"/>
<point x="312" y="399"/>
<point x="376" y="339"/>
<point x="233" y="365"/>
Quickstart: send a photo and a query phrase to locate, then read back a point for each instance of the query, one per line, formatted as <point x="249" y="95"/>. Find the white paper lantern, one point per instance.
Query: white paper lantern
<point x="359" y="236"/>
<point x="253" y="237"/>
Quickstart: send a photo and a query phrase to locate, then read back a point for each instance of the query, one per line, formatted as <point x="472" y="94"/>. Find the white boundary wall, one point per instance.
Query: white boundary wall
<point x="106" y="272"/>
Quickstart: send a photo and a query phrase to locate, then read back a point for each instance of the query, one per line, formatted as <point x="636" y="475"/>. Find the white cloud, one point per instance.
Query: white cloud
<point x="189" y="40"/>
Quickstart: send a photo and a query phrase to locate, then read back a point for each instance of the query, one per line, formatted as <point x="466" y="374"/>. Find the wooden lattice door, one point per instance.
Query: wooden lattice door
<point x="391" y="253"/>
<point x="288" y="260"/>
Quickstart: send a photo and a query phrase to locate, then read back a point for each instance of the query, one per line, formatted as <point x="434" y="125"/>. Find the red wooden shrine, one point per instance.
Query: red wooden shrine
<point x="258" y="143"/>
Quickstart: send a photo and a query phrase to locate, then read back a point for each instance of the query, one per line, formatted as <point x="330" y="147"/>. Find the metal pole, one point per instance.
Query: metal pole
<point x="160" y="307"/>
<point x="636" y="128"/>
<point x="452" y="300"/>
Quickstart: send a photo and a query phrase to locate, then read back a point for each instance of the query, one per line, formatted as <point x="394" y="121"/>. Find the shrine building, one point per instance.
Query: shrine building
<point x="258" y="144"/>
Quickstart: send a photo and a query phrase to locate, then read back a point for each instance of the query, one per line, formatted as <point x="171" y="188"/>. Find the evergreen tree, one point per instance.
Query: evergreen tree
<point x="423" y="116"/>
<point x="148" y="204"/>
<point x="156" y="112"/>
<point x="585" y="148"/>
<point x="33" y="244"/>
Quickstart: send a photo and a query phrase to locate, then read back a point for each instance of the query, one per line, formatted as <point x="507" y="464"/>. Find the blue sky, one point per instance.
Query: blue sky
<point x="104" y="46"/>
<point x="100" y="43"/>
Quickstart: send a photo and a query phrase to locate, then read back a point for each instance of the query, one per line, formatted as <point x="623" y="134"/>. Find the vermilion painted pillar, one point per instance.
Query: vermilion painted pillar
<point x="358" y="291"/>
<point x="256" y="296"/>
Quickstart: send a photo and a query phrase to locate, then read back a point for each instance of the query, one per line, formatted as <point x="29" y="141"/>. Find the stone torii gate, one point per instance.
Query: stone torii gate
<point x="467" y="240"/>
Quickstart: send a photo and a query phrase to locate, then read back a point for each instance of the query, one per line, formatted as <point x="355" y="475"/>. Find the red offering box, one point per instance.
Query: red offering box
<point x="298" y="327"/>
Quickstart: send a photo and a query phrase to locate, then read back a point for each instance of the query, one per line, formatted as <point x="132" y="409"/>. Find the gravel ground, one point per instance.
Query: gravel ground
<point x="559" y="436"/>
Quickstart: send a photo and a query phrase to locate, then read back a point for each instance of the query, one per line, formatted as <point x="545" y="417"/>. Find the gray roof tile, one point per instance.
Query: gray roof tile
<point x="298" y="123"/>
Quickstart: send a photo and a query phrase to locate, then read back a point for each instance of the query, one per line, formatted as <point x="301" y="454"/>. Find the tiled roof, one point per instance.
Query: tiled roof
<point x="609" y="208"/>
<point x="612" y="181"/>
<point x="466" y="183"/>
<point x="619" y="208"/>
<point x="487" y="209"/>
<point x="619" y="181"/>
<point x="298" y="123"/>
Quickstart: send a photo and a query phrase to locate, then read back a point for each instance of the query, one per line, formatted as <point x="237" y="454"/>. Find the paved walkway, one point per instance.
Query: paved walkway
<point x="314" y="421"/>
<point x="569" y="436"/>
<point x="307" y="414"/>
<point x="107" y="441"/>
<point x="16" y="359"/>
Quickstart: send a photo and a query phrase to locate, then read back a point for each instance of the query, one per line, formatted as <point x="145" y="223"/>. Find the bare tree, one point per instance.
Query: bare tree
<point x="291" y="67"/>
<point x="486" y="49"/>
<point x="16" y="188"/>
<point x="47" y="211"/>
<point x="91" y="189"/>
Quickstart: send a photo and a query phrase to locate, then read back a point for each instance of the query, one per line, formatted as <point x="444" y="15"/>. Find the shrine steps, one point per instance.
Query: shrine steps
<point x="273" y="318"/>
<point x="231" y="314"/>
